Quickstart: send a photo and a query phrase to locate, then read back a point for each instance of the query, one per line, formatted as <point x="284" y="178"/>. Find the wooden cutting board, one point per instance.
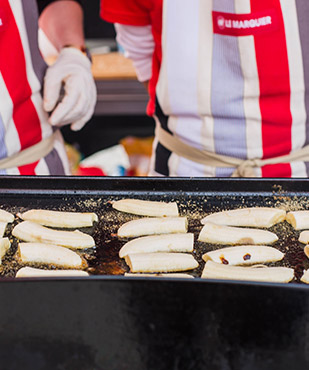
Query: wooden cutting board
<point x="109" y="66"/>
<point x="112" y="66"/>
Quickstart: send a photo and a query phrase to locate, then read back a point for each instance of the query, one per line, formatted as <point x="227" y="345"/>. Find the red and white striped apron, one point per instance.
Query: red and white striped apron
<point x="233" y="81"/>
<point x="23" y="122"/>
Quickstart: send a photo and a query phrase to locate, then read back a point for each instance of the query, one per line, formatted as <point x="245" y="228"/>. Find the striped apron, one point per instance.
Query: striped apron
<point x="233" y="83"/>
<point x="23" y="122"/>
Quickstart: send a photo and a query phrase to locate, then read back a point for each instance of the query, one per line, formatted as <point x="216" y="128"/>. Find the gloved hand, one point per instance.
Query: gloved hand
<point x="72" y="68"/>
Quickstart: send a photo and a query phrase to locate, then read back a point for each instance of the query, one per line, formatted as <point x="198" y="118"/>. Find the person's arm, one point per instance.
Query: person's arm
<point x="62" y="23"/>
<point x="138" y="43"/>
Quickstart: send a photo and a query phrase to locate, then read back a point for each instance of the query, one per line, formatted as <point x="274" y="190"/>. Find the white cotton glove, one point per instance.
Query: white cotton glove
<point x="73" y="69"/>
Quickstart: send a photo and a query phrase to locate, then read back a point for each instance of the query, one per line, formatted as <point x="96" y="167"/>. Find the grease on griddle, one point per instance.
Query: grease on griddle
<point x="104" y="259"/>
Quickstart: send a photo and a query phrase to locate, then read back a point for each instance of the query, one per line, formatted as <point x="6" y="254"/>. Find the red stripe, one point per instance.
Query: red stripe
<point x="275" y="90"/>
<point x="28" y="169"/>
<point x="13" y="69"/>
<point x="277" y="170"/>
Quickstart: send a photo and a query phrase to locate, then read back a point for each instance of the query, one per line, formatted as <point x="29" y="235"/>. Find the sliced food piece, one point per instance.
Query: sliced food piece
<point x="304" y="237"/>
<point x="160" y="262"/>
<point x="2" y="228"/>
<point x="151" y="226"/>
<point x="248" y="217"/>
<point x="59" y="219"/>
<point x="219" y="234"/>
<point x="213" y="270"/>
<point x="34" y="272"/>
<point x="298" y="219"/>
<point x="170" y="275"/>
<point x="6" y="216"/>
<point x="49" y="254"/>
<point x="32" y="232"/>
<point x="147" y="208"/>
<point x="4" y="247"/>
<point x="306" y="250"/>
<point x="244" y="255"/>
<point x="159" y="243"/>
<point x="305" y="277"/>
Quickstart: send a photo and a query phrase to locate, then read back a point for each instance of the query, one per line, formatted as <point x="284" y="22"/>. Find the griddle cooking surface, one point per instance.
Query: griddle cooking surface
<point x="196" y="198"/>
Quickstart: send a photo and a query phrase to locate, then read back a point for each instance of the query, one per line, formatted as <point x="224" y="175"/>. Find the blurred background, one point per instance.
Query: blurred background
<point x="117" y="140"/>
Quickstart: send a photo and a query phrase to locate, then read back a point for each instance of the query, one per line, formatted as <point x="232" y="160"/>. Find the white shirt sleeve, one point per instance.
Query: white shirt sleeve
<point x="138" y="43"/>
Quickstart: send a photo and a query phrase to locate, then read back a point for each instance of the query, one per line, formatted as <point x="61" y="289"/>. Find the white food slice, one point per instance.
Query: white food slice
<point x="2" y="228"/>
<point x="33" y="232"/>
<point x="6" y="216"/>
<point x="170" y="275"/>
<point x="298" y="219"/>
<point x="249" y="217"/>
<point x="49" y="254"/>
<point x="4" y="247"/>
<point x="147" y="208"/>
<point x="244" y="255"/>
<point x="213" y="270"/>
<point x="59" y="219"/>
<point x="151" y="226"/>
<point x="304" y="237"/>
<point x="160" y="262"/>
<point x="305" y="277"/>
<point x="34" y="272"/>
<point x="159" y="243"/>
<point x="306" y="250"/>
<point x="219" y="234"/>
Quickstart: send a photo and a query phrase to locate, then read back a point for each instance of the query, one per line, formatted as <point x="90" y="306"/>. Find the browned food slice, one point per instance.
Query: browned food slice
<point x="219" y="234"/>
<point x="59" y="218"/>
<point x="4" y="247"/>
<point x="261" y="217"/>
<point x="213" y="270"/>
<point x="6" y="216"/>
<point x="35" y="272"/>
<point x="159" y="243"/>
<point x="32" y="232"/>
<point x="244" y="255"/>
<point x="49" y="254"/>
<point x="304" y="237"/>
<point x="147" y="208"/>
<point x="298" y="219"/>
<point x="160" y="262"/>
<point x="170" y="275"/>
<point x="153" y="225"/>
<point x="2" y="228"/>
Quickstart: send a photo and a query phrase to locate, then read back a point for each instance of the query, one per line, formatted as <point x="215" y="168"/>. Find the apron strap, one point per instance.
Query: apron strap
<point x="244" y="168"/>
<point x="29" y="155"/>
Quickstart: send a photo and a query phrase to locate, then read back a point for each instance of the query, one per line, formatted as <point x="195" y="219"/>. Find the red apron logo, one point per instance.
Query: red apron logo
<point x="221" y="22"/>
<point x="244" y="24"/>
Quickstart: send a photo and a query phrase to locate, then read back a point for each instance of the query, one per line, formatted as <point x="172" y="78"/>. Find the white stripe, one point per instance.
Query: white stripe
<point x="204" y="75"/>
<point x="298" y="169"/>
<point x="17" y="9"/>
<point x="296" y="69"/>
<point x="251" y="88"/>
<point x="6" y="107"/>
<point x="12" y="171"/>
<point x="185" y="80"/>
<point x="185" y="129"/>
<point x="42" y="168"/>
<point x="181" y="23"/>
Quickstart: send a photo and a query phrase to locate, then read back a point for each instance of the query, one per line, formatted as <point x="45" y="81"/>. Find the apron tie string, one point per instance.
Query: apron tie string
<point x="243" y="168"/>
<point x="31" y="154"/>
